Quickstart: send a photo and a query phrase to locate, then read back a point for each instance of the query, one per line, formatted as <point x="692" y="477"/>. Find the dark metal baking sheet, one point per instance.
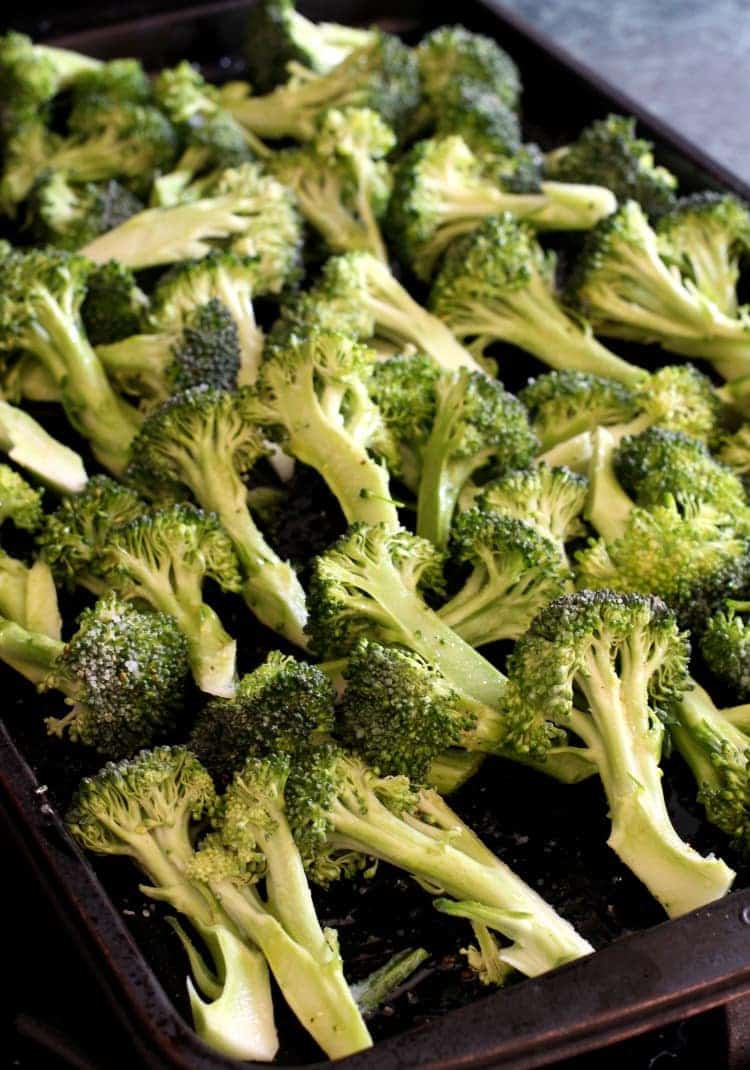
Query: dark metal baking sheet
<point x="637" y="983"/>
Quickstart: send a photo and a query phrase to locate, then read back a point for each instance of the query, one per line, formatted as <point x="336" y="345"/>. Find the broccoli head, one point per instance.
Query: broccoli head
<point x="453" y="54"/>
<point x="725" y="647"/>
<point x="69" y="215"/>
<point x="114" y="305"/>
<point x="404" y="389"/>
<point x="19" y="502"/>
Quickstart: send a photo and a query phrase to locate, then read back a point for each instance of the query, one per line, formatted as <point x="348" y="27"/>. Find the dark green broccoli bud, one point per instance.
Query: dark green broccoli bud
<point x="497" y="284"/>
<point x="441" y="191"/>
<point x="725" y="646"/>
<point x="41" y="292"/>
<point x="404" y="389"/>
<point x="278" y="35"/>
<point x="75" y="534"/>
<point x="368" y="584"/>
<point x="312" y="397"/>
<point x="243" y="210"/>
<point x="381" y="75"/>
<point x="114" y="82"/>
<point x="31" y="74"/>
<point x="19" y="502"/>
<point x="610" y="669"/>
<point x="342" y="811"/>
<point x="200" y="441"/>
<point x="608" y="152"/>
<point x="148" y="808"/>
<point x="114" y="306"/>
<point x="551" y="500"/>
<point x="340" y="179"/>
<point x="276" y="709"/>
<point x="520" y="173"/>
<point x="69" y="215"/>
<point x="515" y="571"/>
<point x="627" y="290"/>
<point x="27" y="150"/>
<point x="253" y="842"/>
<point x="453" y="54"/>
<point x="475" y="112"/>
<point x="477" y="425"/>
<point x="705" y="236"/>
<point x="28" y="445"/>
<point x="563" y="404"/>
<point x="163" y="557"/>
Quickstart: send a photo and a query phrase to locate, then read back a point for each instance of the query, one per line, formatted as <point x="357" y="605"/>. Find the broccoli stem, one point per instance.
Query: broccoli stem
<point x="626" y="741"/>
<point x="382" y="984"/>
<point x="373" y="238"/>
<point x="576" y="451"/>
<point x="443" y="476"/>
<point x="607" y="505"/>
<point x="28" y="596"/>
<point x="739" y="716"/>
<point x="31" y="654"/>
<point x="730" y="357"/>
<point x="139" y="361"/>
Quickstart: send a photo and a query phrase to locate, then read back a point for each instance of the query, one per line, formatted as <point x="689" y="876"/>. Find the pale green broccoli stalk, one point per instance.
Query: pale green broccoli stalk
<point x="381" y="75"/>
<point x="610" y="668"/>
<point x="312" y="398"/>
<point x="27" y="593"/>
<point x="706" y="236"/>
<point x="200" y="441"/>
<point x="278" y="35"/>
<point x="340" y="179"/>
<point x="379" y="986"/>
<point x="162" y="558"/>
<point x="608" y="152"/>
<point x="41" y="292"/>
<point x="254" y="843"/>
<point x="497" y="284"/>
<point x="148" y="809"/>
<point x="477" y="425"/>
<point x="342" y="812"/>
<point x="442" y="191"/>
<point x="70" y="214"/>
<point x="627" y="290"/>
<point x="453" y="54"/>
<point x="28" y="445"/>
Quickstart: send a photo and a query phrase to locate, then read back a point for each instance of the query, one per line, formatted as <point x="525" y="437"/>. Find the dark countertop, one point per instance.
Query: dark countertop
<point x="687" y="61"/>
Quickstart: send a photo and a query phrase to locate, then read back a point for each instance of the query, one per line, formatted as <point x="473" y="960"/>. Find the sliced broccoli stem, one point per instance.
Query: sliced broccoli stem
<point x="443" y="478"/>
<point x="28" y="444"/>
<point x="729" y="356"/>
<point x="381" y="984"/>
<point x="28" y="596"/>
<point x="576" y="451"/>
<point x="373" y="238"/>
<point x="608" y="507"/>
<point x="31" y="654"/>
<point x="739" y="716"/>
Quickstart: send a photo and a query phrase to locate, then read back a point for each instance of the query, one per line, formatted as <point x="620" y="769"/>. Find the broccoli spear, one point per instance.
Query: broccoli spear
<point x="147" y="809"/>
<point x="200" y="440"/>
<point x="497" y="284"/>
<point x="609" y="668"/>
<point x="31" y="74"/>
<point x="27" y="444"/>
<point x="453" y="54"/>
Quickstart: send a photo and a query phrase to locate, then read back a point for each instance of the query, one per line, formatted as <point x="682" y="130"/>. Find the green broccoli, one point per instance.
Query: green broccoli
<point x="477" y="425"/>
<point x="28" y="445"/>
<point x="312" y="398"/>
<point x="404" y="389"/>
<point x="608" y="152"/>
<point x="31" y="74"/>
<point x="442" y="192"/>
<point x="725" y="647"/>
<point x="19" y="502"/>
<point x="200" y="442"/>
<point x="453" y="54"/>
<point x="627" y="290"/>
<point x="497" y="284"/>
<point x="735" y="451"/>
<point x="340" y="179"/>
<point x="381" y="75"/>
<point x="113" y="82"/>
<point x="477" y="113"/>
<point x="278" y="35"/>
<point x="27" y="592"/>
<point x="114" y="305"/>
<point x="610" y="668"/>
<point x="41" y="292"/>
<point x="69" y="214"/>
<point x="342" y="812"/>
<point x="27" y="149"/>
<point x="148" y="809"/>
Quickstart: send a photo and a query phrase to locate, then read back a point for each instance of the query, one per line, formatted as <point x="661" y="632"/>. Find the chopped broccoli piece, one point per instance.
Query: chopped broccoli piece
<point x="566" y="403"/>
<point x="28" y="444"/>
<point x="735" y="451"/>
<point x="69" y="215"/>
<point x="404" y="389"/>
<point x="452" y="54"/>
<point x="497" y="284"/>
<point x="725" y="646"/>
<point x="117" y="81"/>
<point x="475" y="112"/>
<point x="31" y="74"/>
<point x="114" y="306"/>
<point x="28" y="596"/>
<point x="19" y="502"/>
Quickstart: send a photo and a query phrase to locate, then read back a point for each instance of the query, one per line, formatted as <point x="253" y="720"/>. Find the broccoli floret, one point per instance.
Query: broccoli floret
<point x="705" y="236"/>
<point x="277" y="707"/>
<point x="28" y="596"/>
<point x="114" y="305"/>
<point x="69" y="215"/>
<point x="368" y="583"/>
<point x="565" y="404"/>
<point x="475" y="112"/>
<point x="441" y="191"/>
<point x="115" y="82"/>
<point x="31" y="74"/>
<point x="725" y="646"/>
<point x="278" y="35"/>
<point x="609" y="668"/>
<point x="162" y="557"/>
<point x="477" y="425"/>
<point x="453" y="54"/>
<point x="41" y="292"/>
<point x="735" y="451"/>
<point x="312" y="397"/>
<point x="27" y="150"/>
<point x="254" y="843"/>
<point x="627" y="290"/>
<point x="340" y="179"/>
<point x="608" y="152"/>
<point x="243" y="210"/>
<point x="404" y="389"/>
<point x="28" y="445"/>
<point x="497" y="284"/>
<point x="200" y="441"/>
<point x="148" y="808"/>
<point x="19" y="502"/>
<point x="341" y="812"/>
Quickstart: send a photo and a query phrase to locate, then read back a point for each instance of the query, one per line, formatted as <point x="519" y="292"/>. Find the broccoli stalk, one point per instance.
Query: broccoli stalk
<point x="476" y="425"/>
<point x="199" y="440"/>
<point x="146" y="809"/>
<point x="312" y="395"/>
<point x="497" y="285"/>
<point x="340" y="809"/>
<point x="609" y="668"/>
<point x="42" y="292"/>
<point x="27" y="444"/>
<point x="254" y="842"/>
